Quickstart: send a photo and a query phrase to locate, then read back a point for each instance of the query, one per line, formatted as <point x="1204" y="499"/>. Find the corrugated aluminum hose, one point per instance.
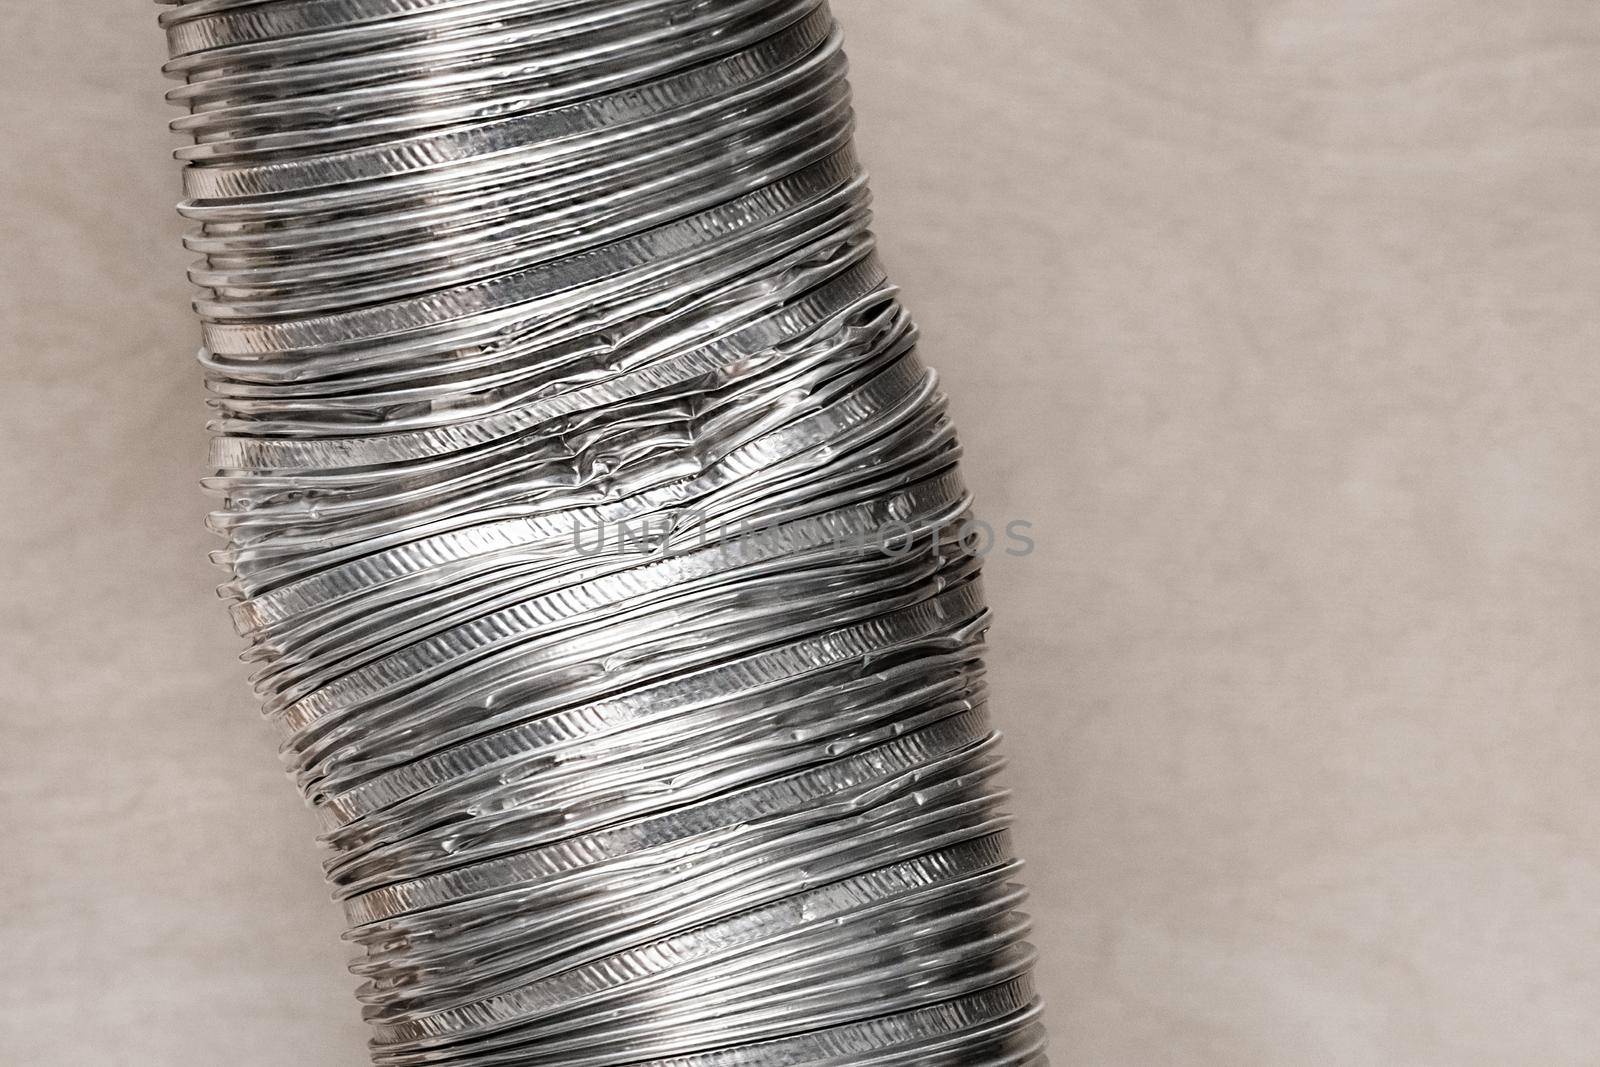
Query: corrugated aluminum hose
<point x="597" y="533"/>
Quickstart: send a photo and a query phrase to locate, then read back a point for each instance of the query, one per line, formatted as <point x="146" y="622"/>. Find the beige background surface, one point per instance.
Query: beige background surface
<point x="1278" y="318"/>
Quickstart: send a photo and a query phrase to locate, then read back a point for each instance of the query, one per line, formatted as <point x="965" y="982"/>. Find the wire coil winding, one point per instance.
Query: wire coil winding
<point x="560" y="409"/>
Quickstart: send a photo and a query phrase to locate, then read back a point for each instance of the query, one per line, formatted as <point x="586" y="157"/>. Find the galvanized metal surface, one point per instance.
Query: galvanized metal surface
<point x="598" y="533"/>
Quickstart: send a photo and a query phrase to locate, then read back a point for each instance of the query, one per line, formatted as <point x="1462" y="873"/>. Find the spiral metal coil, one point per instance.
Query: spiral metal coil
<point x="560" y="410"/>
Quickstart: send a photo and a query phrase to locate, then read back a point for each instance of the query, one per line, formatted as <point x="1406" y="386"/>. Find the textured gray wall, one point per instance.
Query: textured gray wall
<point x="1277" y="318"/>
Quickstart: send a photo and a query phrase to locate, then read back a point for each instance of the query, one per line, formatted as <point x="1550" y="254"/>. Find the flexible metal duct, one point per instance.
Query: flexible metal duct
<point x="598" y="534"/>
